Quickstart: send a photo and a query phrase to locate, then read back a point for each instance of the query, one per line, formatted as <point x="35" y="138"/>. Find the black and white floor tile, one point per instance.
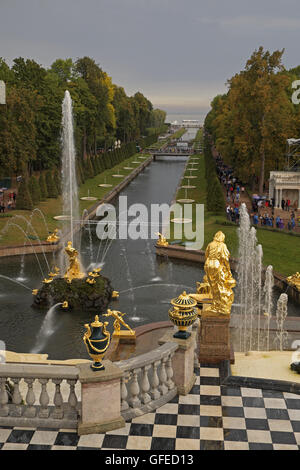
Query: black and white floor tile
<point x="210" y="417"/>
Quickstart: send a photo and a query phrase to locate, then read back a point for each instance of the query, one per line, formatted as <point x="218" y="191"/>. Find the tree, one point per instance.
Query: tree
<point x="24" y="201"/>
<point x="34" y="189"/>
<point x="251" y="123"/>
<point x="51" y="187"/>
<point x="43" y="187"/>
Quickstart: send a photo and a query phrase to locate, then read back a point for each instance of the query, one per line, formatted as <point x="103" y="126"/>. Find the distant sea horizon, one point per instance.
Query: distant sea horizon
<point x="171" y="117"/>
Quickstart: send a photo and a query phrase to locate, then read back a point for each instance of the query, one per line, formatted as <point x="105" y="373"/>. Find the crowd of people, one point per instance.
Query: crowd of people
<point x="234" y="190"/>
<point x="7" y="201"/>
<point x="263" y="210"/>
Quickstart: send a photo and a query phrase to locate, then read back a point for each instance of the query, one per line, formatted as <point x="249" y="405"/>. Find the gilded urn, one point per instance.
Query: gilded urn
<point x="183" y="314"/>
<point x="97" y="340"/>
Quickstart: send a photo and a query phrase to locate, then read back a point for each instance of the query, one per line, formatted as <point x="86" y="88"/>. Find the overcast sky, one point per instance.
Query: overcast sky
<point x="179" y="53"/>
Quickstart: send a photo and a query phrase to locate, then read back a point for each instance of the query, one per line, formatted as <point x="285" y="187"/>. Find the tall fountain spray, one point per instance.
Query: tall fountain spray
<point x="251" y="297"/>
<point x="69" y="180"/>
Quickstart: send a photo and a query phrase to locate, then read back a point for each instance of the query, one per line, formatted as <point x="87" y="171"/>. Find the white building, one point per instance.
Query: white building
<point x="285" y="185"/>
<point x="191" y="123"/>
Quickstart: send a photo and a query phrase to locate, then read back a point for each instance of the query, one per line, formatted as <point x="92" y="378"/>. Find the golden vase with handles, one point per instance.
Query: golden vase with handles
<point x="96" y="341"/>
<point x="183" y="314"/>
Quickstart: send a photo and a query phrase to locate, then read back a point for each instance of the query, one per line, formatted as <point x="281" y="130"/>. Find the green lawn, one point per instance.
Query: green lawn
<point x="53" y="207"/>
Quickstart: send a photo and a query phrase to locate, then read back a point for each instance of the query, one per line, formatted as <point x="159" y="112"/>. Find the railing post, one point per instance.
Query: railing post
<point x="72" y="400"/>
<point x="154" y="392"/>
<point x="100" y="399"/>
<point x="30" y="410"/>
<point x="163" y="377"/>
<point x="134" y="400"/>
<point x="4" y="408"/>
<point x="16" y="399"/>
<point x="124" y="393"/>
<point x="183" y="361"/>
<point x="145" y="385"/>
<point x="58" y="412"/>
<point x="44" y="399"/>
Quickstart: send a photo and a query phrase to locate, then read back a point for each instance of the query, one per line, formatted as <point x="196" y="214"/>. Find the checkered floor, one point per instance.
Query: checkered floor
<point x="211" y="417"/>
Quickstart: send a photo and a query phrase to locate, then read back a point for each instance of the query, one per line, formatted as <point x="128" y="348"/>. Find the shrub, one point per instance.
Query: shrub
<point x="24" y="200"/>
<point x="51" y="187"/>
<point x="43" y="187"/>
<point x="34" y="189"/>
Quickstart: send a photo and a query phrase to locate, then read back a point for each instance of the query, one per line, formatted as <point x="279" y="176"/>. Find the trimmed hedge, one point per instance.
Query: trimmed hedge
<point x="215" y="198"/>
<point x="24" y="200"/>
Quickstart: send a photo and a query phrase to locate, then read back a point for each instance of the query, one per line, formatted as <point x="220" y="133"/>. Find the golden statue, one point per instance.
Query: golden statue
<point x="118" y="316"/>
<point x="93" y="274"/>
<point x="53" y="238"/>
<point x="203" y="287"/>
<point x="115" y="294"/>
<point x="294" y="280"/>
<point x="73" y="271"/>
<point x="162" y="241"/>
<point x="219" y="277"/>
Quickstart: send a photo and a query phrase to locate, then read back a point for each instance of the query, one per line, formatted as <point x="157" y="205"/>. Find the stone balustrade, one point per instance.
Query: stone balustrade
<point x="38" y="396"/>
<point x="147" y="381"/>
<point x="52" y="396"/>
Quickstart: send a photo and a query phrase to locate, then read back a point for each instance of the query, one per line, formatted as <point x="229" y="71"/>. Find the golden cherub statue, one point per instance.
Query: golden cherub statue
<point x="73" y="271"/>
<point x="294" y="280"/>
<point x="53" y="238"/>
<point x="219" y="277"/>
<point x="118" y="316"/>
<point x="162" y="241"/>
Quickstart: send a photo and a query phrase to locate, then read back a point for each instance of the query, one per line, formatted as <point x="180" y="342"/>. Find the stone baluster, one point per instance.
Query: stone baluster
<point x="170" y="373"/>
<point x="16" y="398"/>
<point x="30" y="410"/>
<point x="44" y="399"/>
<point x="124" y="392"/>
<point x="145" y="385"/>
<point x="134" y="400"/>
<point x="163" y="377"/>
<point x="154" y="392"/>
<point x="72" y="400"/>
<point x="58" y="412"/>
<point x="4" y="407"/>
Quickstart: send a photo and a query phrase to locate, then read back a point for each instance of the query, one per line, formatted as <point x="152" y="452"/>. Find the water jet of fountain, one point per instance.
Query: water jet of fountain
<point x="32" y="246"/>
<point x="46" y="329"/>
<point x="281" y="314"/>
<point x="15" y="281"/>
<point x="268" y="305"/>
<point x="69" y="181"/>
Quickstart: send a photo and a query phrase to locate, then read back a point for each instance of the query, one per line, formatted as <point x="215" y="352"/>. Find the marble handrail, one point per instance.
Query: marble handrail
<point x="147" y="381"/>
<point x="38" y="395"/>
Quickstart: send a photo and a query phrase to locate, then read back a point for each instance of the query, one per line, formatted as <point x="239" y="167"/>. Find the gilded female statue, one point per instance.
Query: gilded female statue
<point x="220" y="280"/>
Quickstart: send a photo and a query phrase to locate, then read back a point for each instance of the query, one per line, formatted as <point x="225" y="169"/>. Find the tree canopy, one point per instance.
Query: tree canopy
<point x="251" y="122"/>
<point x="30" y="122"/>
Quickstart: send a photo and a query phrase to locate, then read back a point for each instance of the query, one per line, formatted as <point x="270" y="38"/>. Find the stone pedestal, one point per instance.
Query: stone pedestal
<point x="100" y="398"/>
<point x="214" y="343"/>
<point x="125" y="337"/>
<point x="183" y="361"/>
